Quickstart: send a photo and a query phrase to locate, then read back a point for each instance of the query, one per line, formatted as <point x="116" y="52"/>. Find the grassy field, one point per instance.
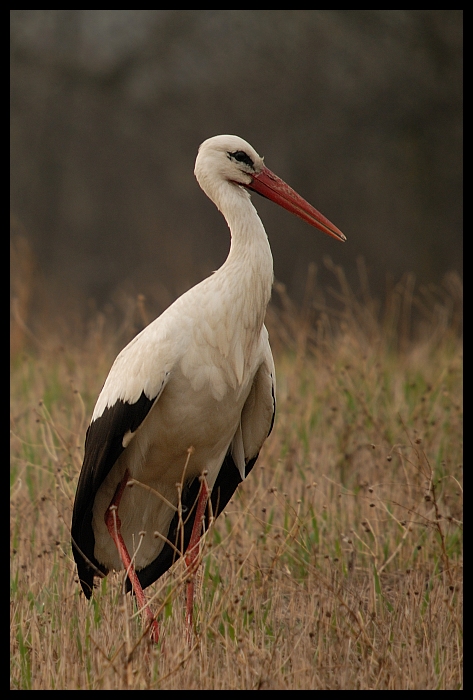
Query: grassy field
<point x="338" y="563"/>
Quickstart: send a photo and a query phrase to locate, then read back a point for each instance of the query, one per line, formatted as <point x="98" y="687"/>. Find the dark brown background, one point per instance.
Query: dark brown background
<point x="360" y="111"/>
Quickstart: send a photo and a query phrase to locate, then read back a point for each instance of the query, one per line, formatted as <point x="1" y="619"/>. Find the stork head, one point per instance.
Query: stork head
<point x="230" y="159"/>
<point x="227" y="158"/>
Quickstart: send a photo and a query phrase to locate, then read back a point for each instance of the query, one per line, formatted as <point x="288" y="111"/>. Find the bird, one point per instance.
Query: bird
<point x="189" y="402"/>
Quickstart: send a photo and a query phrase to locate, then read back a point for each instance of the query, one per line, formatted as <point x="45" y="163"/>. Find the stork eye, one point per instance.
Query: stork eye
<point x="242" y="157"/>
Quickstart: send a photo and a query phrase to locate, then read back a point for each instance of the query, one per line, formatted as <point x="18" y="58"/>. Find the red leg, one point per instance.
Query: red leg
<point x="192" y="553"/>
<point x="113" y="524"/>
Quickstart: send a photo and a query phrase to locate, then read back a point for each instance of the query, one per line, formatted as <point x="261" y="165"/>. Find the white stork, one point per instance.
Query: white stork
<point x="190" y="400"/>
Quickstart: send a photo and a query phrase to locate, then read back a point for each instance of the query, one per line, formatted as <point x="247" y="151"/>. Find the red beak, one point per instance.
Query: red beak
<point x="272" y="187"/>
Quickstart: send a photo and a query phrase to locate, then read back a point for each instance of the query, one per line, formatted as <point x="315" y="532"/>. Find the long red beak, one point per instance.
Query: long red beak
<point x="272" y="187"/>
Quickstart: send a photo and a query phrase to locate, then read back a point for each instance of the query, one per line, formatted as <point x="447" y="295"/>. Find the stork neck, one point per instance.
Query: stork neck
<point x="249" y="249"/>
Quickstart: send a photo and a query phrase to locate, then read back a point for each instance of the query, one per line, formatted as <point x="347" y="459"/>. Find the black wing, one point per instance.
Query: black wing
<point x="103" y="446"/>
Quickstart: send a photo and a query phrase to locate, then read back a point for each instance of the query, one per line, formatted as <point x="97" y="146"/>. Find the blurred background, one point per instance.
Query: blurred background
<point x="360" y="111"/>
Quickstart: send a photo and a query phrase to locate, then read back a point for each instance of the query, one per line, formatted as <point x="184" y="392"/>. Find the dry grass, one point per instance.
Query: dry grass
<point x="338" y="564"/>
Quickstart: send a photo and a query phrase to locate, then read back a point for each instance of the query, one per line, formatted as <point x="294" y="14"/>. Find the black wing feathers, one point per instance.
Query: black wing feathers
<point x="103" y="446"/>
